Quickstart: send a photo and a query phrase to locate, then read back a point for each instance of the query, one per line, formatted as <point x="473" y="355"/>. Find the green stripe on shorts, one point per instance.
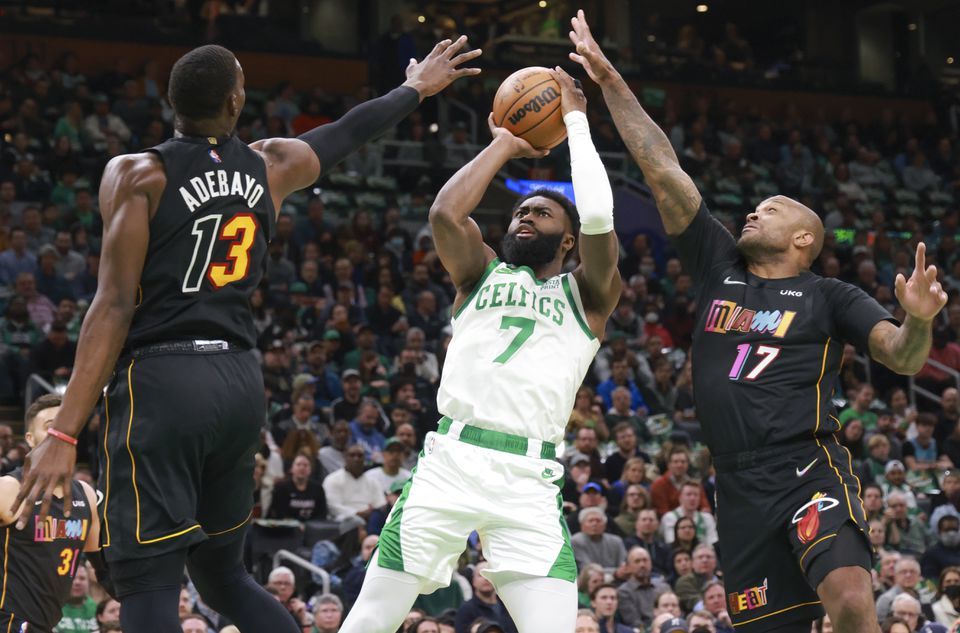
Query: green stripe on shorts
<point x="391" y="553"/>
<point x="565" y="566"/>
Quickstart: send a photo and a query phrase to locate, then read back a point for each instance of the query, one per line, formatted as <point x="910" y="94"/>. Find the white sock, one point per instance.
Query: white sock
<point x="384" y="601"/>
<point x="541" y="605"/>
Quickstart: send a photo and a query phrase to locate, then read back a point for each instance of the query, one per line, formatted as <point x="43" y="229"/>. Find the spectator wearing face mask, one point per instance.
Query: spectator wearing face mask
<point x="946" y="551"/>
<point x="946" y="610"/>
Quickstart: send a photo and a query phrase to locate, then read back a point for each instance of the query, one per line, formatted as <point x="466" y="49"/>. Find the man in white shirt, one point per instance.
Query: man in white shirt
<point x="392" y="471"/>
<point x="348" y="492"/>
<point x="331" y="457"/>
<point x="706" y="525"/>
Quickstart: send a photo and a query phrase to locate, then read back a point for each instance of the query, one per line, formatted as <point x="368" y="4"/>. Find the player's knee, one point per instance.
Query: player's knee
<point x="845" y="597"/>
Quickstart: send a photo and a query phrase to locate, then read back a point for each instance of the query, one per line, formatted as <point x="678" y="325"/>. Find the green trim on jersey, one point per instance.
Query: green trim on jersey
<point x="496" y="440"/>
<point x="476" y="288"/>
<point x="574" y="307"/>
<point x="512" y="270"/>
<point x="565" y="565"/>
<point x="391" y="552"/>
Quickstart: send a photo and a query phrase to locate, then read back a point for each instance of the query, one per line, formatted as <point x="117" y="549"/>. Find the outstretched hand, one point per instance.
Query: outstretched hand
<point x="440" y="67"/>
<point x="521" y="148"/>
<point x="588" y="53"/>
<point x="921" y="296"/>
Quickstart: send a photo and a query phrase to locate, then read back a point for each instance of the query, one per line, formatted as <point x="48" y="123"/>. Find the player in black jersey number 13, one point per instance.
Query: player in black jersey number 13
<point x="767" y="348"/>
<point x="170" y="333"/>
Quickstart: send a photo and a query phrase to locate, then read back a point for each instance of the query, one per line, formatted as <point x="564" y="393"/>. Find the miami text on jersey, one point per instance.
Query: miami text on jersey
<point x="53" y="529"/>
<point x="726" y="316"/>
<point x="217" y="184"/>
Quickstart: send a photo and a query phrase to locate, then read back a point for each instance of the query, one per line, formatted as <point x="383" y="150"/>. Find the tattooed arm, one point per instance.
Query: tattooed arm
<point x="904" y="349"/>
<point x="677" y="197"/>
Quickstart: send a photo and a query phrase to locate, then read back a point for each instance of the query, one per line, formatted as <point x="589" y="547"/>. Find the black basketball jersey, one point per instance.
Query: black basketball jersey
<point x="40" y="561"/>
<point x="208" y="244"/>
<point x="766" y="352"/>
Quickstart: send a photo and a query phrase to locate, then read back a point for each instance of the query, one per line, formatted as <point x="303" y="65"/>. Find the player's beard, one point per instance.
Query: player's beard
<point x="754" y="248"/>
<point x="534" y="252"/>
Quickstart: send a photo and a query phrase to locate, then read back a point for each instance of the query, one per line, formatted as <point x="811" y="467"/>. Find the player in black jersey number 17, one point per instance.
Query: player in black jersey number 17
<point x="767" y="349"/>
<point x="170" y="333"/>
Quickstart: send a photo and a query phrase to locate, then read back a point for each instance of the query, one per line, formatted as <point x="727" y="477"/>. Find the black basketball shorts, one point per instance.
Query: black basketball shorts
<point x="779" y="513"/>
<point x="177" y="445"/>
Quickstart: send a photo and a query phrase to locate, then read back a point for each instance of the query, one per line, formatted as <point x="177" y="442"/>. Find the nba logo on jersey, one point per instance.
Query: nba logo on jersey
<point x="214" y="156"/>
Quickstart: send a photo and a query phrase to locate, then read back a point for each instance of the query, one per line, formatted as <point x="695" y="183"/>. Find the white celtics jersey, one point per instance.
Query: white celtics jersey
<point x="519" y="352"/>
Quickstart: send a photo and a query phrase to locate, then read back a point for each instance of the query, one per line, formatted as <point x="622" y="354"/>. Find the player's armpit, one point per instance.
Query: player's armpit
<point x="291" y="166"/>
<point x="9" y="488"/>
<point x="599" y="278"/>
<point x="903" y="349"/>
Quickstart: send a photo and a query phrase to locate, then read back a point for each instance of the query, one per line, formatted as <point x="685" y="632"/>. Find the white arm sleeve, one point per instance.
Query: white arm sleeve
<point x="590" y="183"/>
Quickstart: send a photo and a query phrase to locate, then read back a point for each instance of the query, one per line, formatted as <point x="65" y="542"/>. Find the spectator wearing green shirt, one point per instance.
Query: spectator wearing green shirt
<point x="70" y="125"/>
<point x="860" y="408"/>
<point x="874" y="466"/>
<point x="80" y="610"/>
<point x="366" y="342"/>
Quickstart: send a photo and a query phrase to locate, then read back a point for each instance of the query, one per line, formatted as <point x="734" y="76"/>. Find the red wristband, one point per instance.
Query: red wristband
<point x="60" y="435"/>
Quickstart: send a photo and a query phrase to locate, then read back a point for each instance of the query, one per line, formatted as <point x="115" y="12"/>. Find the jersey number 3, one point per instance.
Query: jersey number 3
<point x="241" y="230"/>
<point x="68" y="562"/>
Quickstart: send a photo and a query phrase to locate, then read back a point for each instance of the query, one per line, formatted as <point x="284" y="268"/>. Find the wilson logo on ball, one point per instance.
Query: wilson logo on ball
<point x="537" y="103"/>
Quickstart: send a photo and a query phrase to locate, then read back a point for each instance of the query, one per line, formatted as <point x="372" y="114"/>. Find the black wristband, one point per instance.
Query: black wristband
<point x="369" y="120"/>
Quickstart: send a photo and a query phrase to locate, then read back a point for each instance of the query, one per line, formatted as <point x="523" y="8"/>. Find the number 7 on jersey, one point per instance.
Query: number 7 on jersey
<point x="526" y="331"/>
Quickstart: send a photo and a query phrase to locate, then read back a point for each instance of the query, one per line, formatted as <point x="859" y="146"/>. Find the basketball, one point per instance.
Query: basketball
<point x="528" y="104"/>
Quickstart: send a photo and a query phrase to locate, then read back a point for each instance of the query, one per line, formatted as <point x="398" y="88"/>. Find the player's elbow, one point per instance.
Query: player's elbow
<point x="115" y="307"/>
<point x="441" y="213"/>
<point x="904" y="366"/>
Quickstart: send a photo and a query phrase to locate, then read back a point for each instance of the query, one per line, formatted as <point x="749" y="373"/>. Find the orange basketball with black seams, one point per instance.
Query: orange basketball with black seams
<point x="528" y="104"/>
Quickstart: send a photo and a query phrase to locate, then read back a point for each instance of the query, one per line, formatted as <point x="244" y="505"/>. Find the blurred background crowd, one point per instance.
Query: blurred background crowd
<point x="353" y="313"/>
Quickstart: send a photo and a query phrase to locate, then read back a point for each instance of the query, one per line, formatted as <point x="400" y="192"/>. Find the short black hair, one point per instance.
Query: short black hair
<point x="47" y="401"/>
<point x="568" y="207"/>
<point x="201" y="80"/>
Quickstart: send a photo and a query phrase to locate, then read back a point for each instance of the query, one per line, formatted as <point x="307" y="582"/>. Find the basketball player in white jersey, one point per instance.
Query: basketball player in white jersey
<point x="524" y="335"/>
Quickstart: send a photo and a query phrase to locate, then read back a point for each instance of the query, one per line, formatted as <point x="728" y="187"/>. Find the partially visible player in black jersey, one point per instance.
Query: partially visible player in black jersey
<point x="766" y="351"/>
<point x="170" y="333"/>
<point x="39" y="562"/>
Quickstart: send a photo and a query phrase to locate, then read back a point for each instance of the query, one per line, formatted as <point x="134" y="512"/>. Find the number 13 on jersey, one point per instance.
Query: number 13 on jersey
<point x="241" y="229"/>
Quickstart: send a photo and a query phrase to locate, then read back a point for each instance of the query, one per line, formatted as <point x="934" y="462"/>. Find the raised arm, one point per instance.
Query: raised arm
<point x="905" y="349"/>
<point x="597" y="275"/>
<point x="457" y="237"/>
<point x="295" y="163"/>
<point x="131" y="186"/>
<point x="677" y="197"/>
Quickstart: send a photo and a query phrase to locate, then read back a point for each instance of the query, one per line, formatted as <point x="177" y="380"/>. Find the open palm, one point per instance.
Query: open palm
<point x="588" y="53"/>
<point x="921" y="296"/>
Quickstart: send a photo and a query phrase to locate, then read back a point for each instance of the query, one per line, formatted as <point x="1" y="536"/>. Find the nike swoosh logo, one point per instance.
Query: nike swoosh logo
<point x="801" y="473"/>
<point x="731" y="282"/>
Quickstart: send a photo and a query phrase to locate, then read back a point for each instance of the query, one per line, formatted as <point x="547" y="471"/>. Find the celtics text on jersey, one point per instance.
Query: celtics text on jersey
<point x="520" y="349"/>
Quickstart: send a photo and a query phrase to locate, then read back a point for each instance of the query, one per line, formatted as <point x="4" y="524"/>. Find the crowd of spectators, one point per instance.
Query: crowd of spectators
<point x="353" y="323"/>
